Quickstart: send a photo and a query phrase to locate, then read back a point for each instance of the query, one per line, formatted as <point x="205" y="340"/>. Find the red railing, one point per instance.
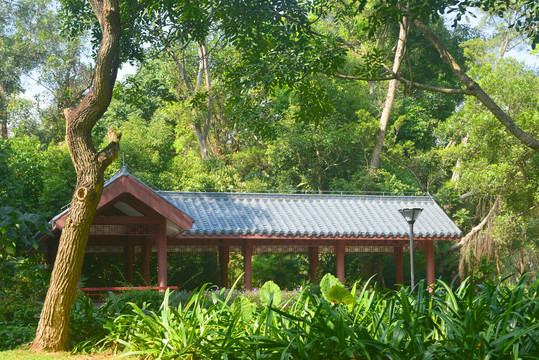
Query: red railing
<point x="98" y="294"/>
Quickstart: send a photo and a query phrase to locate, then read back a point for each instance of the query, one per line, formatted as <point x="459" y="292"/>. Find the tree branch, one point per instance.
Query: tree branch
<point x="408" y="83"/>
<point x="476" y="90"/>
<point x="410" y="170"/>
<point x="109" y="153"/>
<point x="350" y="77"/>
<point x="411" y="84"/>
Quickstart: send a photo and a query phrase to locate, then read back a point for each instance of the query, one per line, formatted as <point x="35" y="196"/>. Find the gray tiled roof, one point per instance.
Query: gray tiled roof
<point x="309" y="215"/>
<point x="305" y="215"/>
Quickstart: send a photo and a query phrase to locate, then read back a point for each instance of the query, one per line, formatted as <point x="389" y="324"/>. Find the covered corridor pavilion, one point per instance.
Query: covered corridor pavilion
<point x="133" y="218"/>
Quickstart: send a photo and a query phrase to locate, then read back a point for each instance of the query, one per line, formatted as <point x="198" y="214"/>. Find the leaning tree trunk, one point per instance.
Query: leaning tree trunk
<point x="392" y="88"/>
<point x="53" y="328"/>
<point x="473" y="88"/>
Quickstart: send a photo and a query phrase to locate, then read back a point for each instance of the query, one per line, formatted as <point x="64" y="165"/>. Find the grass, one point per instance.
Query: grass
<point x="25" y="354"/>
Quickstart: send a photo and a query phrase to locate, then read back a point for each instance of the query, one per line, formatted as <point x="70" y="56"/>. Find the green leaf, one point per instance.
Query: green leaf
<point x="339" y="295"/>
<point x="327" y="282"/>
<point x="270" y="293"/>
<point x="243" y="307"/>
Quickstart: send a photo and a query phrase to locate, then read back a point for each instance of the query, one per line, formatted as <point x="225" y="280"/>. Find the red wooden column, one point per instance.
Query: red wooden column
<point x="129" y="259"/>
<point x="146" y="251"/>
<point x="339" y="257"/>
<point x="397" y="258"/>
<point x="162" y="253"/>
<point x="247" y="250"/>
<point x="313" y="263"/>
<point x="224" y="258"/>
<point x="429" y="252"/>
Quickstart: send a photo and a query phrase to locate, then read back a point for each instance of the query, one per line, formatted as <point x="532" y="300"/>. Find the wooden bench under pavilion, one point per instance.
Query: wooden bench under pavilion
<point x="131" y="217"/>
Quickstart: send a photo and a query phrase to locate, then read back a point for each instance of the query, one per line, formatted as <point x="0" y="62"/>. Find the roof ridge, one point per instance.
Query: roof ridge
<point x="286" y="195"/>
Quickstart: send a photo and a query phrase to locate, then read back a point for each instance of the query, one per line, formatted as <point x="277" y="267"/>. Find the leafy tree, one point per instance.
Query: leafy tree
<point x="66" y="78"/>
<point x="471" y="87"/>
<point x="508" y="177"/>
<point x="21" y="166"/>
<point x="289" y="271"/>
<point x="22" y="30"/>
<point x="23" y="117"/>
<point x="22" y="280"/>
<point x="17" y="230"/>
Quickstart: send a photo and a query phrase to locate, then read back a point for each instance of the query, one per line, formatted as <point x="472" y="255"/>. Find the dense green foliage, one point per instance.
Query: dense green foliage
<point x="23" y="280"/>
<point x="330" y="322"/>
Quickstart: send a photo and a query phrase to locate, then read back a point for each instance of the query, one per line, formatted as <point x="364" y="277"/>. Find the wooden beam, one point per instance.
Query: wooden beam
<point x="114" y="240"/>
<point x="129" y="259"/>
<point x="127" y="188"/>
<point x="282" y="241"/>
<point x="126" y="220"/>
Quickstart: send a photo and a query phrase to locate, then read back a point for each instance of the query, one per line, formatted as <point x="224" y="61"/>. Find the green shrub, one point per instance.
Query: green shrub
<point x="472" y="321"/>
<point x="12" y="336"/>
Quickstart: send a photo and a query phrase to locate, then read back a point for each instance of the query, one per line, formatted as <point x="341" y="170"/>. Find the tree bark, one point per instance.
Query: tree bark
<point x="4" y="121"/>
<point x="3" y="108"/>
<point x="53" y="329"/>
<point x="381" y="132"/>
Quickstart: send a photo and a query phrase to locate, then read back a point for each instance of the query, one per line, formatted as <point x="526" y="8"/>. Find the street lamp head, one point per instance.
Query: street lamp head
<point x="410" y="214"/>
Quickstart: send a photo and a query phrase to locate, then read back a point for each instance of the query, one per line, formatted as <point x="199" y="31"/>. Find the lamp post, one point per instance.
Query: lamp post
<point x="411" y="215"/>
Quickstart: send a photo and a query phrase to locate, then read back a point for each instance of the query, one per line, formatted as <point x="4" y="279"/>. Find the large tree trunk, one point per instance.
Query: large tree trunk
<point x="53" y="329"/>
<point x="392" y="88"/>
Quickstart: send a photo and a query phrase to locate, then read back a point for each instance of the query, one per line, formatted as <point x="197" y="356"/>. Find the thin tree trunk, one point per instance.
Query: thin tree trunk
<point x="53" y="329"/>
<point x="4" y="122"/>
<point x="522" y="267"/>
<point x="456" y="171"/>
<point x="381" y="132"/>
<point x="497" y="256"/>
<point x="204" y="131"/>
<point x="202" y="121"/>
<point x="3" y="107"/>
<point x="202" y="137"/>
